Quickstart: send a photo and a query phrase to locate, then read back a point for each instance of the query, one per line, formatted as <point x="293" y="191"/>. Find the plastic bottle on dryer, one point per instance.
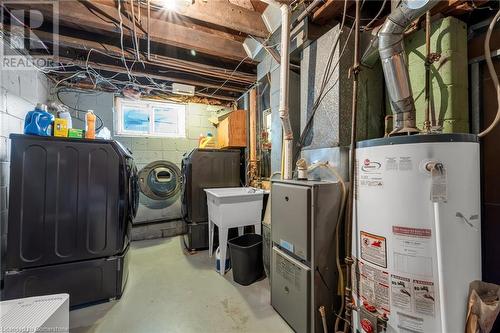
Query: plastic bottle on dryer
<point x="90" y="119"/>
<point x="39" y="121"/>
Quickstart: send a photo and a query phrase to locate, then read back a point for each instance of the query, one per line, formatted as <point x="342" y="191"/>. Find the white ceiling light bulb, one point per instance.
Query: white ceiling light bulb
<point x="170" y="5"/>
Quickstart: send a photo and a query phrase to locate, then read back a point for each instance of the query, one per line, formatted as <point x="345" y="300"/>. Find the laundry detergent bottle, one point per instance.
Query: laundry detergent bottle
<point x="39" y="121"/>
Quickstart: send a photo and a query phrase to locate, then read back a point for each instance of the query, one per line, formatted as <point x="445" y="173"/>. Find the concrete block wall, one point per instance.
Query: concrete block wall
<point x="144" y="149"/>
<point x="20" y="90"/>
<point x="147" y="149"/>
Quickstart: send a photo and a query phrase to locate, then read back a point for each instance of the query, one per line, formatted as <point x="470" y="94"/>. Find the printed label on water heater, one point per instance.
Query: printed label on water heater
<point x="401" y="292"/>
<point x="424" y="297"/>
<point x="439" y="190"/>
<point x="374" y="286"/>
<point x="370" y="174"/>
<point x="412" y="250"/>
<point x="391" y="164"/>
<point x="410" y="324"/>
<point x="405" y="163"/>
<point x="373" y="249"/>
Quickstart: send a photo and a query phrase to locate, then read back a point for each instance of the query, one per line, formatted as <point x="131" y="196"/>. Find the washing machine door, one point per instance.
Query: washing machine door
<point x="160" y="180"/>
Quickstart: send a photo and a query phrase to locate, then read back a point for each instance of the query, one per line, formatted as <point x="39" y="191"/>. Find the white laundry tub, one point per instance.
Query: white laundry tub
<point x="237" y="206"/>
<point x="232" y="207"/>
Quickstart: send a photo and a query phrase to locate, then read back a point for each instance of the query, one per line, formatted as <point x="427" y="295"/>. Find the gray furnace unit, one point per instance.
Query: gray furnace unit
<point x="303" y="271"/>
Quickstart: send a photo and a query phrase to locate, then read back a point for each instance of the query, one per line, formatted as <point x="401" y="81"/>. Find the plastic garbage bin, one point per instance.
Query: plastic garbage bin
<point x="246" y="258"/>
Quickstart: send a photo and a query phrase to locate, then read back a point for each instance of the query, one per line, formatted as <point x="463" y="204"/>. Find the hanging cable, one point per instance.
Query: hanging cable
<point x="352" y="162"/>
<point x="121" y="38"/>
<point x="493" y="74"/>
<point x="231" y="75"/>
<point x="326" y="77"/>
<point x="368" y="27"/>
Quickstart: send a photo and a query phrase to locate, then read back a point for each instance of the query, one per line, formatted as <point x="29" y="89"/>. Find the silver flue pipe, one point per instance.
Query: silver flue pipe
<point x="394" y="64"/>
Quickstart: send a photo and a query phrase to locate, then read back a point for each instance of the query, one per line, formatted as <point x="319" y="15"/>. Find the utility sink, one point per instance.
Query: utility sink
<point x="232" y="207"/>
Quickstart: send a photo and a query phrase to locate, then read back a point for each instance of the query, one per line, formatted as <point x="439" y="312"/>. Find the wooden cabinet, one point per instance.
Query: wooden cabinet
<point x="232" y="130"/>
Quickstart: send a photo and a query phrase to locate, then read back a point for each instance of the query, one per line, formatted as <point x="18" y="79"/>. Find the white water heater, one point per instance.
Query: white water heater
<point x="416" y="235"/>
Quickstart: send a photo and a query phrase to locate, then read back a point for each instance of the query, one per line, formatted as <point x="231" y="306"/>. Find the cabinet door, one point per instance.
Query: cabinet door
<point x="238" y="129"/>
<point x="223" y="134"/>
<point x="232" y="131"/>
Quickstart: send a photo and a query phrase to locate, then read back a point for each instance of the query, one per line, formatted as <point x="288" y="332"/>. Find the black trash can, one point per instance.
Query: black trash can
<point x="246" y="258"/>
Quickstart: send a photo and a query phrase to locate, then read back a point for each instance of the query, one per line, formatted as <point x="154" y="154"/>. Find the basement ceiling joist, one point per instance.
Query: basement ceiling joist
<point x="75" y="14"/>
<point x="234" y="78"/>
<point x="333" y="9"/>
<point x="224" y="14"/>
<point x="76" y="76"/>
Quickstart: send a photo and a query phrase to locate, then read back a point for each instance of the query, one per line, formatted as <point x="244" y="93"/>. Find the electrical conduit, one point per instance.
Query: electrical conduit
<point x="493" y="74"/>
<point x="284" y="92"/>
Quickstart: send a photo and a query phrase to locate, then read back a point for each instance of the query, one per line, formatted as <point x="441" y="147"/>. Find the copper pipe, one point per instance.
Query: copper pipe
<point x="149" y="29"/>
<point x="427" y="122"/>
<point x="352" y="162"/>
<point x="386" y="125"/>
<point x="322" y="313"/>
<point x="309" y="9"/>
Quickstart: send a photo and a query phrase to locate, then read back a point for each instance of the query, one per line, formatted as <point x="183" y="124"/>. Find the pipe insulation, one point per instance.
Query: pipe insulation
<point x="394" y="63"/>
<point x="284" y="92"/>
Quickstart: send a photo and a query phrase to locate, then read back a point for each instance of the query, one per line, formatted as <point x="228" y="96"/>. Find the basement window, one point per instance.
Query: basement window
<point x="149" y="118"/>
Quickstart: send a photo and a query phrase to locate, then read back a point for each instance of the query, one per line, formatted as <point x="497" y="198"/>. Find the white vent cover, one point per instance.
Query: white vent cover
<point x="35" y="314"/>
<point x="182" y="89"/>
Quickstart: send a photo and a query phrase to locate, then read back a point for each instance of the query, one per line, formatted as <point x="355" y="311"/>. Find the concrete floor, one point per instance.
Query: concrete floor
<point x="171" y="291"/>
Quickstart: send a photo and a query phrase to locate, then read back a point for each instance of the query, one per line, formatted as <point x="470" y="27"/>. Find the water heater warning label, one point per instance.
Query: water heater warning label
<point x="424" y="297"/>
<point x="401" y="292"/>
<point x="374" y="286"/>
<point x="374" y="249"/>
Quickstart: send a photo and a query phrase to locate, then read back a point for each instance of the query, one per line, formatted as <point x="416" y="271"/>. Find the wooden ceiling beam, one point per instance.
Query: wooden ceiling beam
<point x="259" y="6"/>
<point x="247" y="4"/>
<point x="225" y="14"/>
<point x="139" y="73"/>
<point x="329" y="10"/>
<point x="76" y="15"/>
<point x="187" y="67"/>
<point x="218" y="13"/>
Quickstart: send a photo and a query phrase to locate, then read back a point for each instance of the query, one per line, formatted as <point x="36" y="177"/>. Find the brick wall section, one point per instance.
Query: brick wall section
<point x="20" y="90"/>
<point x="145" y="149"/>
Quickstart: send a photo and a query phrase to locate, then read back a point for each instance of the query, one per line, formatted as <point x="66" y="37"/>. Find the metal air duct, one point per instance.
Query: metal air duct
<point x="394" y="64"/>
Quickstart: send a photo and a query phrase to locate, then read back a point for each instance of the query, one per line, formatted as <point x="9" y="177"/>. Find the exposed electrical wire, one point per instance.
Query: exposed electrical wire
<point x="101" y="123"/>
<point x="121" y="38"/>
<point x="227" y="80"/>
<point x="492" y="72"/>
<point x="326" y="77"/>
<point x="369" y="25"/>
